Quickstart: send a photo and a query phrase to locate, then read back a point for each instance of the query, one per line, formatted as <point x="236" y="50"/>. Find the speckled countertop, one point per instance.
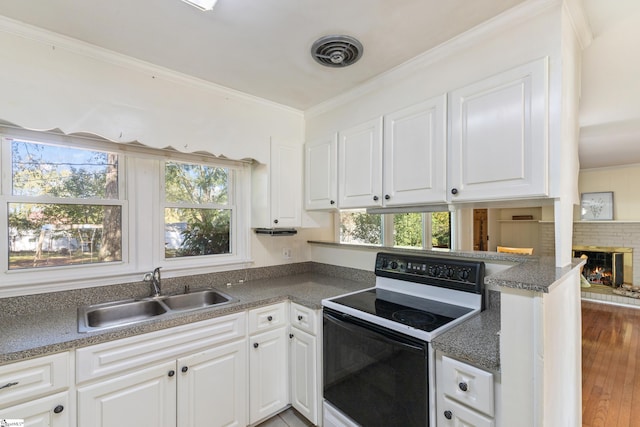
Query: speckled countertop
<point x="55" y="330"/>
<point x="48" y="327"/>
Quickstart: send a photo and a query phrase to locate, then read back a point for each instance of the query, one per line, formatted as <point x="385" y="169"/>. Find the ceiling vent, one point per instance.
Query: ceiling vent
<point x="336" y="51"/>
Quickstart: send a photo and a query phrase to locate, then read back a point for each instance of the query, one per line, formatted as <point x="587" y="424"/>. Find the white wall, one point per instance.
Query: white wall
<point x="49" y="81"/>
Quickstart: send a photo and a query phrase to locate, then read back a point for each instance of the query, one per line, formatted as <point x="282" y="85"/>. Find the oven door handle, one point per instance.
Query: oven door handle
<point x="373" y="332"/>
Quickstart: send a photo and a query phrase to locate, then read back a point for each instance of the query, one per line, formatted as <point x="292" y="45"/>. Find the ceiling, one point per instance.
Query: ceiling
<point x="263" y="47"/>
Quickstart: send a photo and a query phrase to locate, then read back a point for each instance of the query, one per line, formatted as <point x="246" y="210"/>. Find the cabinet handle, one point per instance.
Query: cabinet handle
<point x="172" y="373"/>
<point x="333" y="202"/>
<point x="299" y="317"/>
<point x="454" y="191"/>
<point x="375" y="198"/>
<point x="58" y="409"/>
<point x="387" y="197"/>
<point x="463" y="386"/>
<point x="275" y="221"/>
<point x="185" y="368"/>
<point x="270" y="318"/>
<point x="448" y="414"/>
<point x="291" y="336"/>
<point x="255" y="345"/>
<point x="7" y="385"/>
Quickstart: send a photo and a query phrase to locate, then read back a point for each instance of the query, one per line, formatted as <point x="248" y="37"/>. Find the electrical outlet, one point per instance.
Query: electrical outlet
<point x="286" y="253"/>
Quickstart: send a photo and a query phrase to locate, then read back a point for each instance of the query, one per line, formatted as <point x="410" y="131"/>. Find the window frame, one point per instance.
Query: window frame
<point x="142" y="234"/>
<point x="387" y="232"/>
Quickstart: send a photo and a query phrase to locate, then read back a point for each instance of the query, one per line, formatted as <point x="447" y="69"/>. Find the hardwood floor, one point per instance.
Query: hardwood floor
<point x="610" y="365"/>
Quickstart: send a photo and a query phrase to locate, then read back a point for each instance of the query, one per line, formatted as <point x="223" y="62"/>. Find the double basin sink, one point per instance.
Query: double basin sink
<point x="127" y="312"/>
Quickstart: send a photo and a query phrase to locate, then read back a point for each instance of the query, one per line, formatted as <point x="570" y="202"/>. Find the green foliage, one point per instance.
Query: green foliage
<point x="408" y="230"/>
<point x="441" y="229"/>
<point x="360" y="227"/>
<point x="207" y="232"/>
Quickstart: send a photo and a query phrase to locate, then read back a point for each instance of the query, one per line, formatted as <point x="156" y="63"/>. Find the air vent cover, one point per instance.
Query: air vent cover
<point x="336" y="51"/>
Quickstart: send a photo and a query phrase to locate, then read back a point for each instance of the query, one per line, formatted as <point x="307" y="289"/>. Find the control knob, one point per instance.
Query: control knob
<point x="464" y="274"/>
<point x="394" y="265"/>
<point x="449" y="272"/>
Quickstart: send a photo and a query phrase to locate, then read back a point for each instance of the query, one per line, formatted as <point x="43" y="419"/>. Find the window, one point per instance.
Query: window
<point x="104" y="213"/>
<point x="198" y="211"/>
<point x="405" y="230"/>
<point x="64" y="206"/>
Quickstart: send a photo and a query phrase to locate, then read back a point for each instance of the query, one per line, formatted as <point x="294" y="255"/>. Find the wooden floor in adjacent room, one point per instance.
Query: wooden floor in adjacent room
<point x="610" y="365"/>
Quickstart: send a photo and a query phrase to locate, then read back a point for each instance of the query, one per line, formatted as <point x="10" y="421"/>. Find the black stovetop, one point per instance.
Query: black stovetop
<point x="420" y="313"/>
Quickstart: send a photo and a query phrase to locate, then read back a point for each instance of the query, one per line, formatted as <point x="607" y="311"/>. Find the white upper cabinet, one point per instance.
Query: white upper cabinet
<point x="360" y="165"/>
<point x="415" y="154"/>
<point x="277" y="189"/>
<point x="321" y="174"/>
<point x="404" y="165"/>
<point x="498" y="145"/>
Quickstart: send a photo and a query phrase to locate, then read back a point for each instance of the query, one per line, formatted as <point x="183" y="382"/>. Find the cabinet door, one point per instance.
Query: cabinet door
<point x="304" y="380"/>
<point x="51" y="411"/>
<point x="499" y="141"/>
<point x="453" y="414"/>
<point x="415" y="154"/>
<point x="286" y="185"/>
<point x="141" y="398"/>
<point x="321" y="174"/>
<point x="212" y="388"/>
<point x="268" y="374"/>
<point x="360" y="165"/>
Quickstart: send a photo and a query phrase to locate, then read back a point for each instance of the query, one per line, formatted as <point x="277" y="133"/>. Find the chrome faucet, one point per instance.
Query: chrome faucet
<point x="154" y="278"/>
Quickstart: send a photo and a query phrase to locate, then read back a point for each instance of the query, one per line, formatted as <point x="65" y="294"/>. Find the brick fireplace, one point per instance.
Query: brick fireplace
<point x="606" y="265"/>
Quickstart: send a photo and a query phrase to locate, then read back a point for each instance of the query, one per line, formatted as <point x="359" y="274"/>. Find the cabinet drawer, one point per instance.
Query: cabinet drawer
<point x="110" y="357"/>
<point x="468" y="385"/>
<point x="33" y="378"/>
<point x="303" y="318"/>
<point x="453" y="414"/>
<point x="50" y="411"/>
<point x="267" y="318"/>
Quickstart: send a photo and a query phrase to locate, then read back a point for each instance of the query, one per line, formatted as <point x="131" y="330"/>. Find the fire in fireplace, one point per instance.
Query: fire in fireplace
<point x="606" y="265"/>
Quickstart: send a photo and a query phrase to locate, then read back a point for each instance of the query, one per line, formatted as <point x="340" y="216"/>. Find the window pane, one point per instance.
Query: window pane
<point x="441" y="229"/>
<point x="40" y="169"/>
<point x="360" y="227"/>
<point x="407" y="230"/>
<point x="193" y="183"/>
<point x="193" y="232"/>
<point x="49" y="235"/>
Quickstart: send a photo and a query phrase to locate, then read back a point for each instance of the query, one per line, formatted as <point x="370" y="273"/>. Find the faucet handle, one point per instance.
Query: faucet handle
<point x="147" y="277"/>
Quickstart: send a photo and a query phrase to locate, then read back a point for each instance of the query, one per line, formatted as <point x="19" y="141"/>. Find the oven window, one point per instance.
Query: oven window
<point x="374" y="376"/>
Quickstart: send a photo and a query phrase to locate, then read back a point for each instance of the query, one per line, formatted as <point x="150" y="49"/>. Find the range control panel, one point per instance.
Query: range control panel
<point x="438" y="271"/>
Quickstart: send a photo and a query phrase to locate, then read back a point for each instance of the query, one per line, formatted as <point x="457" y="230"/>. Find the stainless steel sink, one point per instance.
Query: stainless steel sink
<point x="120" y="313"/>
<point x="196" y="300"/>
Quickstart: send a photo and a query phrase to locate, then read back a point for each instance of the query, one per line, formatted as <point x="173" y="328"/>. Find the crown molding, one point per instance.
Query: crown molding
<point x="508" y="19"/>
<point x="579" y="22"/>
<point x="59" y="41"/>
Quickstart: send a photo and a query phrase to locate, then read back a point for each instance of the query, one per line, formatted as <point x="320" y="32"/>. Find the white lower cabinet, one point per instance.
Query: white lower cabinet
<point x="51" y="411"/>
<point x="144" y="397"/>
<point x="37" y="391"/>
<point x="465" y="394"/>
<point x="305" y="363"/>
<point x="189" y="376"/>
<point x="268" y="362"/>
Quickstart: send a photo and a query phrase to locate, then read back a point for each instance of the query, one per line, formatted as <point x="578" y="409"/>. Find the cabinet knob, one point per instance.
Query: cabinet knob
<point x="333" y="202"/>
<point x="448" y="414"/>
<point x="275" y="221"/>
<point x="375" y="198"/>
<point x="454" y="191"/>
<point x="255" y="345"/>
<point x="185" y="369"/>
<point x="291" y="336"/>
<point x="299" y="317"/>
<point x="463" y="386"/>
<point x="387" y="197"/>
<point x="270" y="318"/>
<point x="58" y="409"/>
<point x="172" y="373"/>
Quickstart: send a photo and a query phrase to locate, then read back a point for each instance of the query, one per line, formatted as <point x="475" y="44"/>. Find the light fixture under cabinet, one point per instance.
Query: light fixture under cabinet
<point x="202" y="4"/>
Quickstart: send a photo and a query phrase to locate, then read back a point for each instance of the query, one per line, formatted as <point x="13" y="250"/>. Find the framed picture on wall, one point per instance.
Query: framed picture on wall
<point x="596" y="206"/>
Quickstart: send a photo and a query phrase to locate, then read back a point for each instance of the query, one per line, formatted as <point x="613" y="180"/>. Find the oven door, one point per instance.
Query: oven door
<point x="375" y="376"/>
